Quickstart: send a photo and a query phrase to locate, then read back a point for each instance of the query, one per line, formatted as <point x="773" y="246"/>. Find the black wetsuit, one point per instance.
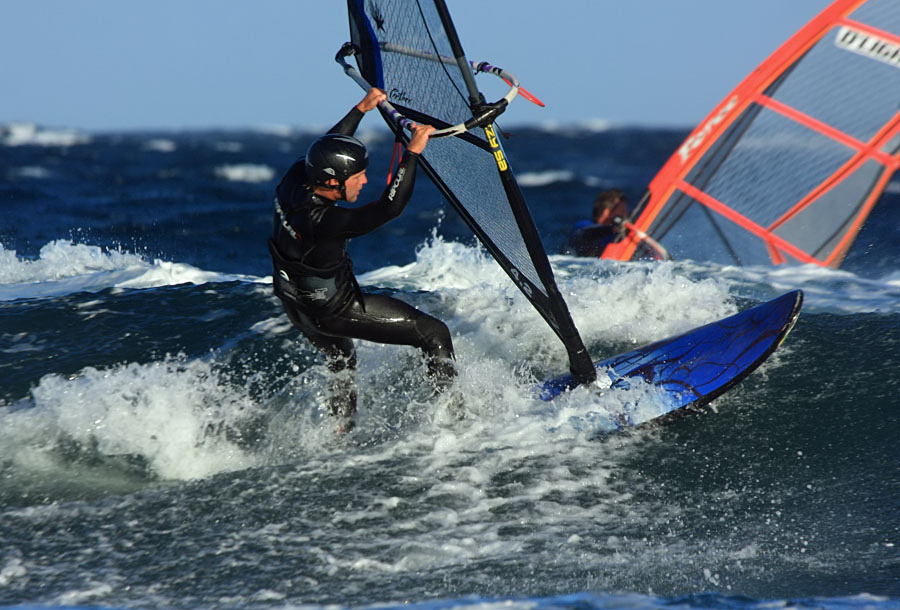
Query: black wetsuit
<point x="313" y="277"/>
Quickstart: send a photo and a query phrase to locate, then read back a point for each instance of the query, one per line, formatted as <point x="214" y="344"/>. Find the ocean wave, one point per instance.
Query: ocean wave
<point x="164" y="145"/>
<point x="29" y="134"/>
<point x="29" y="172"/>
<point x="825" y="289"/>
<point x="159" y="414"/>
<point x="245" y="172"/>
<point x="64" y="267"/>
<point x="651" y="301"/>
<point x="545" y="178"/>
<point x="636" y="601"/>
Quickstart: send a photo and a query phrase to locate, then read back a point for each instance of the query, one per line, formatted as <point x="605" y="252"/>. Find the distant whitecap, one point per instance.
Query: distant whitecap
<point x="29" y="134"/>
<point x="245" y="172"/>
<point x="545" y="178"/>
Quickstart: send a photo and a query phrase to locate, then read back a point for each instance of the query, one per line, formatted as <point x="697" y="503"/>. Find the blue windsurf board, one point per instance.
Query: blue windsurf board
<point x="693" y="368"/>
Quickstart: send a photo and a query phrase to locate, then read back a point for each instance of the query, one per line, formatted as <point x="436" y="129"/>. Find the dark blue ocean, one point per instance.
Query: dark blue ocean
<point x="163" y="442"/>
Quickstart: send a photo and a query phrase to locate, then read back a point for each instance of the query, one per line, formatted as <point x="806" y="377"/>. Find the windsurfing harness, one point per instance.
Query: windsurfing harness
<point x="311" y="267"/>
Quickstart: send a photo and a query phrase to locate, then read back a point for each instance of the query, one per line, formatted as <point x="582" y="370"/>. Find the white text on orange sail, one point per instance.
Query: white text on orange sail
<point x="697" y="139"/>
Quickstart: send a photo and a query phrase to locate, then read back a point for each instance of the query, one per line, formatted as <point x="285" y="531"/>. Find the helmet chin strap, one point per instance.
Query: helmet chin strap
<point x="340" y="188"/>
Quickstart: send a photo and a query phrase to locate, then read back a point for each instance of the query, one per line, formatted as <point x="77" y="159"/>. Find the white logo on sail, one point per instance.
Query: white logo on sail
<point x="696" y="140"/>
<point x="868" y="45"/>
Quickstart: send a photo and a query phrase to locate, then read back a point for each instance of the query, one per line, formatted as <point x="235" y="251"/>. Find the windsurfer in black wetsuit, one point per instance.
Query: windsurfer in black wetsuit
<point x="313" y="275"/>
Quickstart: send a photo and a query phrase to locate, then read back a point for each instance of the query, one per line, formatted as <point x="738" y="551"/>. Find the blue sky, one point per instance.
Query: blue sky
<point x="135" y="64"/>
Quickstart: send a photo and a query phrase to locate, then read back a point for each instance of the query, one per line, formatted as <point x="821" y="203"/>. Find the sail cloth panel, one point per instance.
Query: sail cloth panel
<point x="405" y="51"/>
<point x="405" y="48"/>
<point x="788" y="167"/>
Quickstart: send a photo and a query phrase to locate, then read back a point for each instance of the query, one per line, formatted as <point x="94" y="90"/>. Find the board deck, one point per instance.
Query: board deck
<point x="695" y="367"/>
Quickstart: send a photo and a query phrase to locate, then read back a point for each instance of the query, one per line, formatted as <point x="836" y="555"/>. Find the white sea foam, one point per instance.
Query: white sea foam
<point x="29" y="171"/>
<point x="503" y="347"/>
<point x="284" y="131"/>
<point x="498" y="336"/>
<point x="245" y="172"/>
<point x="535" y="179"/>
<point x="63" y="267"/>
<point x="22" y="134"/>
<point x="162" y="412"/>
<point x="633" y="302"/>
<point x="503" y="350"/>
<point x="590" y="126"/>
<point x="163" y="145"/>
<point x="832" y="290"/>
<point x="12" y="571"/>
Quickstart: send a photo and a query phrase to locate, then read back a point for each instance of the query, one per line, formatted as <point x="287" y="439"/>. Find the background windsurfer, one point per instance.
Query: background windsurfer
<point x="609" y="211"/>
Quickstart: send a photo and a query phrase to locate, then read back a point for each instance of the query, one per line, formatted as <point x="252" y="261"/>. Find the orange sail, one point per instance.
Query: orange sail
<point x="788" y="166"/>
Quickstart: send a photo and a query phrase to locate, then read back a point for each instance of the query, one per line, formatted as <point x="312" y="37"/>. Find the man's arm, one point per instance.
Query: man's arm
<point x="347" y="125"/>
<point x="349" y="222"/>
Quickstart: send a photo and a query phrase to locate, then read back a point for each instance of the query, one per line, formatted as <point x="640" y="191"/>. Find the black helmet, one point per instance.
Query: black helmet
<point x="335" y="156"/>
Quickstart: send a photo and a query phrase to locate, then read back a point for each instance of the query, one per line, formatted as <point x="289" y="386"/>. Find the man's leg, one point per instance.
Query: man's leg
<point x="340" y="357"/>
<point x="384" y="319"/>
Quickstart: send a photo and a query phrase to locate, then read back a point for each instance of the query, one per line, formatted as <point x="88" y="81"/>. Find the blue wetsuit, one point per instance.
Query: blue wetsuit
<point x="589" y="239"/>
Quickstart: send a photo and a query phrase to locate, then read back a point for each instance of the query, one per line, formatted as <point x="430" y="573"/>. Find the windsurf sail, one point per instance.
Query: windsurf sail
<point x="789" y="165"/>
<point x="411" y="50"/>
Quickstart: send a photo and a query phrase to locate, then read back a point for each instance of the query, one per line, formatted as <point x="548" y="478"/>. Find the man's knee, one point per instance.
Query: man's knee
<point x="436" y="341"/>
